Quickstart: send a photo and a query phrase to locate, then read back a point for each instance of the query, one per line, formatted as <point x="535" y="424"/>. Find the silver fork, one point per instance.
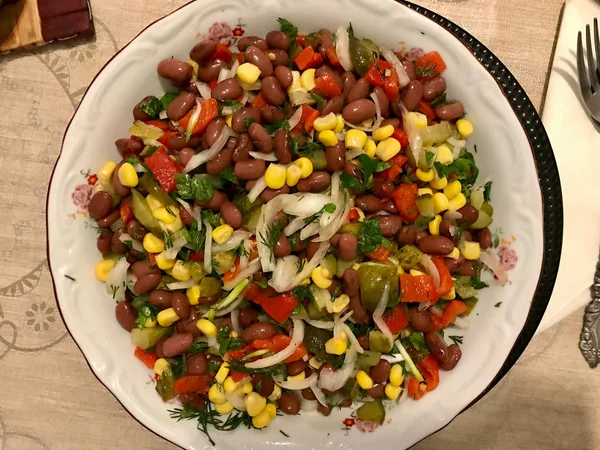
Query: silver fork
<point x="590" y="83"/>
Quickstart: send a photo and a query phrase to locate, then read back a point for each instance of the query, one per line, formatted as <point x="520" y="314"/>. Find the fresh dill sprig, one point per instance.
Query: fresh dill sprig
<point x="271" y="237"/>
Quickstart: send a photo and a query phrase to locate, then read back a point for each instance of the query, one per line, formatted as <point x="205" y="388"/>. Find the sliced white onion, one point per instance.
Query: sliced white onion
<point x="234" y="67"/>
<point x="204" y="89"/>
<point x="452" y="216"/>
<point x="136" y="245"/>
<point x="279" y="357"/>
<point x="152" y="142"/>
<point x="178" y="243"/>
<point x="265" y="219"/>
<point x="319" y="393"/>
<point x="305" y="205"/>
<point x="392" y="359"/>
<point x="378" y="314"/>
<point x="236" y="238"/>
<point x="344" y="208"/>
<point x="423" y="306"/>
<point x="295" y="119"/>
<point x="437" y="311"/>
<point x="130" y="282"/>
<point x="176" y="285"/>
<point x="236" y="400"/>
<point x="353" y="341"/>
<point x="342" y="49"/>
<point x="414" y="137"/>
<point x="185" y="205"/>
<point x="208" y="247"/>
<point x="337" y="198"/>
<point x="314" y="262"/>
<point x="309" y="230"/>
<point x="295" y="385"/>
<point x="257" y="189"/>
<point x="322" y="324"/>
<point x="284" y="272"/>
<point x="139" y="168"/>
<point x="462" y="323"/>
<point x="227" y="110"/>
<point x="490" y="260"/>
<point x="250" y="87"/>
<point x="223" y="74"/>
<point x="354" y="152"/>
<point x="390" y="56"/>
<point x="163" y="115"/>
<point x="430" y="269"/>
<point x="235" y="321"/>
<point x="293" y="226"/>
<point x="232" y="307"/>
<point x="253" y="267"/>
<point x="309" y="405"/>
<point x="379" y="116"/>
<point x="207" y="155"/>
<point x="264" y="156"/>
<point x="116" y="281"/>
<point x="196" y="214"/>
<point x="334" y="380"/>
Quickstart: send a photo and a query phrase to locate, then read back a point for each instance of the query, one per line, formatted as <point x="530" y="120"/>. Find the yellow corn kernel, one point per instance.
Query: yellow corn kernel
<point x="470" y="250"/>
<point x="328" y="138"/>
<point x="420" y="120"/>
<point x="271" y="409"/>
<point x="222" y="233"/>
<point x="261" y="420"/>
<point x="444" y="155"/>
<point x="292" y="175"/>
<point x="465" y="128"/>
<point x="246" y="388"/>
<point x="150" y="323"/>
<point x="153" y="202"/>
<point x="424" y="191"/>
<point x="452" y="189"/>
<point x="314" y="363"/>
<point x="177" y="224"/>
<point x="454" y="204"/>
<point x="382" y="133"/>
<point x="105" y="174"/>
<point x="328" y="122"/>
<point x="163" y="215"/>
<point x="450" y="295"/>
<point x="180" y="271"/>
<point x="339" y="124"/>
<point x="222" y="373"/>
<point x="229" y="385"/>
<point x="305" y="282"/>
<point x="454" y="254"/>
<point x="340" y="303"/>
<point x="160" y="365"/>
<point x="306" y="166"/>
<point x="425" y="175"/>
<point x="392" y="392"/>
<point x="355" y="138"/>
<point x="434" y="225"/>
<point x="233" y="334"/>
<point x="224" y="408"/>
<point x="416" y="273"/>
<point x="193" y="294"/>
<point x="307" y="79"/>
<point x="248" y="73"/>
<point x="255" y="404"/>
<point x="275" y="176"/>
<point x="164" y="263"/>
<point x="195" y="67"/>
<point x="127" y="175"/>
<point x="356" y="266"/>
<point x="320" y="278"/>
<point x="440" y="202"/>
<point x="103" y="268"/>
<point x="207" y="327"/>
<point x="437" y="182"/>
<point x="167" y="317"/>
<point x="396" y="375"/>
<point x="370" y="148"/>
<point x="366" y="123"/>
<point x="336" y="346"/>
<point x="300" y="377"/>
<point x="228" y="120"/>
<point x="387" y="149"/>
<point x="215" y="395"/>
<point x="152" y="244"/>
<point x="364" y="380"/>
<point x="400" y="270"/>
<point x="296" y="83"/>
<point x="275" y="394"/>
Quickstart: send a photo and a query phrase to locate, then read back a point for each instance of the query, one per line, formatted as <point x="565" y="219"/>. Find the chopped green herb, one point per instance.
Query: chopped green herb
<point x="195" y="235"/>
<point x="212" y="367"/>
<point x="302" y="293"/>
<point x="248" y="121"/>
<point x="497" y="305"/>
<point x="145" y="309"/>
<point x="132" y="161"/>
<point x="228" y="175"/>
<point x="487" y="191"/>
<point x="211" y="217"/>
<point x="417" y="340"/>
<point x="328" y="208"/>
<point x="70" y="277"/>
<point x="458" y="340"/>
<point x="288" y="28"/>
<point x="426" y="71"/>
<point x="429" y="158"/>
<point x="422" y="221"/>
<point x="464" y="168"/>
<point x="369" y="166"/>
<point x="197" y="347"/>
<point x="272" y="235"/>
<point x="319" y="100"/>
<point x="370" y="237"/>
<point x="233" y="104"/>
<point x="438" y="100"/>
<point x="281" y="124"/>
<point x="194" y="188"/>
<point x="152" y="107"/>
<point x="262" y="283"/>
<point x="166" y="99"/>
<point x="476" y="282"/>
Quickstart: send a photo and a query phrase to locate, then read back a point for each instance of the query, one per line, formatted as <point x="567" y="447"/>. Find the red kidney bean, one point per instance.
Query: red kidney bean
<point x="382" y="188"/>
<point x="325" y="410"/>
<point x="485" y="238"/>
<point x="308" y="394"/>
<point x="247" y="41"/>
<point x="389" y="224"/>
<point x="466" y="269"/>
<point x="240" y="115"/>
<point x="109" y="219"/>
<point x="363" y="341"/>
<point x="136" y="230"/>
<point x="117" y="185"/>
<point x="435" y="245"/>
<point x="181" y="305"/>
<point x="185" y="155"/>
<point x="272" y="91"/>
<point x="452" y="264"/>
<point x="260" y="138"/>
<point x="381" y="371"/>
<point x="358" y="111"/>
<point x="283" y="247"/>
<point x="326" y="39"/>
<point x="177" y="142"/>
<point x="450" y="111"/>
<point x="368" y="203"/>
<point x="437" y="346"/>
<point x="336" y="156"/>
<point x="377" y="391"/>
<point x="260" y="330"/>
<point x="231" y="214"/>
<point x="141" y="268"/>
<point x="384" y="103"/>
<point x="393" y="122"/>
<point x="185" y="216"/>
<point x="311" y="248"/>
<point x="203" y="51"/>
<point x="158" y="348"/>
<point x="258" y="57"/>
<point x="126" y="315"/>
<point x="189" y="325"/>
<point x="116" y="245"/>
<point x="103" y="242"/>
<point x="192" y="89"/>
<point x="390" y="207"/>
<point x="347" y="246"/>
<point x="138" y="114"/>
<point x="228" y="89"/>
<point x="296" y="367"/>
<point x="434" y="87"/>
<point x="349" y="81"/>
<point x="360" y="90"/>
<point x="333" y="105"/>
<point x="220" y="162"/>
<point x="283" y="148"/>
<point x="278" y="39"/>
<point x="129" y="146"/>
<point x="147" y="283"/>
<point x="351" y="282"/>
<point x="247" y="317"/>
<point x="162" y="299"/>
<point x="410" y="68"/>
<point x="454" y="355"/>
<point x="177" y="345"/>
<point x="412" y="95"/>
<point x="178" y="72"/>
<point x="289" y="403"/>
<point x="249" y="170"/>
<point x="242" y="148"/>
<point x="467" y="236"/>
<point x="215" y="202"/>
<point x="278" y="57"/>
<point x="420" y="320"/>
<point x="445" y="225"/>
<point x="100" y="205"/>
<point x="335" y="239"/>
<point x="197" y="364"/>
<point x="210" y="71"/>
<point x="359" y="314"/>
<point x="470" y="214"/>
<point x="181" y="105"/>
<point x="264" y="384"/>
<point x="269" y="194"/>
<point x="271" y="114"/>
<point x="420" y="235"/>
<point x="317" y="181"/>
<point x="284" y="76"/>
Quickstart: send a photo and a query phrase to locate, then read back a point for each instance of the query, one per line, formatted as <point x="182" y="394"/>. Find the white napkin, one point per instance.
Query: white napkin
<point x="576" y="144"/>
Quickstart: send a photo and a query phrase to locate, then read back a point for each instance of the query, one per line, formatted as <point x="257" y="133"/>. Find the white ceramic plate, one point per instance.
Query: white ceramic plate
<point x="504" y="153"/>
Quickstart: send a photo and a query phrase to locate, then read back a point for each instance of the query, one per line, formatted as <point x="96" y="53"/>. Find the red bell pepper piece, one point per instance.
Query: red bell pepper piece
<point x="278" y="343"/>
<point x="158" y="124"/>
<point x="309" y="115"/>
<point x="240" y="57"/>
<point x="328" y="86"/>
<point x="126" y="212"/>
<point x="212" y="84"/>
<point x="304" y="58"/>
<point x="383" y="64"/>
<point x="426" y="109"/>
<point x="430" y="369"/>
<point x="300" y="39"/>
<point x="401" y="136"/>
<point x="192" y="383"/>
<point x="453" y="310"/>
<point x="163" y="169"/>
<point x="415" y="390"/>
<point x="405" y="199"/>
<point x="353" y="215"/>
<point x="222" y="52"/>
<point x="392" y="86"/>
<point x="148" y="358"/>
<point x="196" y="256"/>
<point x="229" y="275"/>
<point x="390" y="174"/>
<point x="209" y="111"/>
<point x="332" y="56"/>
<point x="374" y="77"/>
<point x="164" y="139"/>
<point x="446" y="283"/>
<point x="432" y="63"/>
<point x="279" y="307"/>
<point x="417" y="288"/>
<point x="381" y="254"/>
<point x="436" y="320"/>
<point x="237" y="376"/>
<point x="260" y="101"/>
<point x="396" y="320"/>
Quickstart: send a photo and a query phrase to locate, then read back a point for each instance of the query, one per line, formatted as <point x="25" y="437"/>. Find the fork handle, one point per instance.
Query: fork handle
<point x="589" y="340"/>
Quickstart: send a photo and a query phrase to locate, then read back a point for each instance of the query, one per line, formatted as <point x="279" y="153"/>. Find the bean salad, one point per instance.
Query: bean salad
<point x="296" y="225"/>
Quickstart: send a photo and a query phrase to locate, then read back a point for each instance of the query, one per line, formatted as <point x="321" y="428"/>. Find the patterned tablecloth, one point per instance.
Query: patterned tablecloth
<point x="49" y="398"/>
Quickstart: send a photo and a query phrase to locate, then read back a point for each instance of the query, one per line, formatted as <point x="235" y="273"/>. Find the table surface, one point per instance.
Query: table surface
<point x="50" y="398"/>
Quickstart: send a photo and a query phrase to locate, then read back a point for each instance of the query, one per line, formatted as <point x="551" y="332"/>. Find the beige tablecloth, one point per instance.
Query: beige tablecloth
<point x="49" y="398"/>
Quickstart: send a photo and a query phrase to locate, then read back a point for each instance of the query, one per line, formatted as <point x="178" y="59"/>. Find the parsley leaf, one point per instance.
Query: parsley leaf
<point x="417" y="340"/>
<point x="429" y="158"/>
<point x="241" y="250"/>
<point x="307" y="149"/>
<point x="197" y="347"/>
<point x="152" y="107"/>
<point x="233" y="104"/>
<point x="328" y="208"/>
<point x="193" y="188"/>
<point x="487" y="191"/>
<point x="248" y="121"/>
<point x="464" y="168"/>
<point x="281" y="124"/>
<point x="422" y="221"/>
<point x="212" y="367"/>
<point x="211" y="217"/>
<point x="302" y="293"/>
<point x="370" y="237"/>
<point x="497" y="305"/>
<point x="456" y="339"/>
<point x="145" y="309"/>
<point x="369" y="166"/>
<point x="133" y="161"/>
<point x="195" y="236"/>
<point x="288" y="28"/>
<point x="476" y="282"/>
<point x="318" y="99"/>
<point x="427" y="70"/>
<point x="226" y="343"/>
<point x="228" y="175"/>
<point x="166" y="99"/>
